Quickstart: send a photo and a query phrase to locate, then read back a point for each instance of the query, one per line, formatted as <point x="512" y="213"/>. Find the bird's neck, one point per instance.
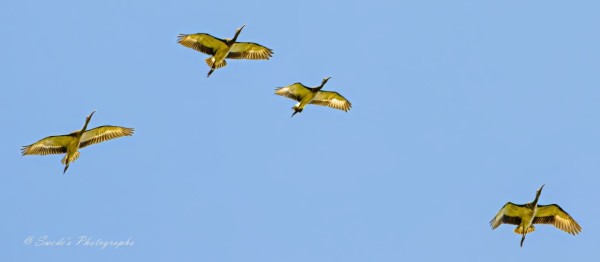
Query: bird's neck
<point x="320" y="86"/>
<point x="315" y="89"/>
<point x="87" y="121"/>
<point x="237" y="33"/>
<point x="535" y="201"/>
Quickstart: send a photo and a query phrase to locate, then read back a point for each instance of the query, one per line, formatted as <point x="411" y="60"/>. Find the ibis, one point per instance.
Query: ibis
<point x="69" y="144"/>
<point x="524" y="216"/>
<point x="220" y="49"/>
<point x="313" y="95"/>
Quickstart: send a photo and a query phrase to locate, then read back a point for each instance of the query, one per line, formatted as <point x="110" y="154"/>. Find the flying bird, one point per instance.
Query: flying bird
<point x="219" y="49"/>
<point x="524" y="216"/>
<point x="70" y="143"/>
<point x="313" y="95"/>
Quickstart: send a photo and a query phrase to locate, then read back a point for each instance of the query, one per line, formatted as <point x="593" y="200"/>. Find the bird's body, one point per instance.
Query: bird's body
<point x="72" y="150"/>
<point x="69" y="144"/>
<point x="313" y="95"/>
<point x="526" y="215"/>
<point x="305" y="100"/>
<point x="220" y="49"/>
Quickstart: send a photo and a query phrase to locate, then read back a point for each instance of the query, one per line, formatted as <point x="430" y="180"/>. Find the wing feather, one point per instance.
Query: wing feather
<point x="48" y="145"/>
<point x="331" y="99"/>
<point x="294" y="91"/>
<point x="103" y="133"/>
<point x="202" y="42"/>
<point x="553" y="214"/>
<point x="247" y="50"/>
<point x="510" y="213"/>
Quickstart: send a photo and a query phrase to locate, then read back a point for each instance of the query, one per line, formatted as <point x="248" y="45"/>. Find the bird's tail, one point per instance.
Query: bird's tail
<point x="296" y="110"/>
<point x="66" y="160"/>
<point x="211" y="63"/>
<point x="519" y="230"/>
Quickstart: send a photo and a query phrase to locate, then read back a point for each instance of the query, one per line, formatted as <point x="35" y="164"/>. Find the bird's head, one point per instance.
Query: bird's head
<point x="240" y="29"/>
<point x="91" y="114"/>
<point x="539" y="191"/>
<point x="87" y="121"/>
<point x="537" y="194"/>
<point x="324" y="82"/>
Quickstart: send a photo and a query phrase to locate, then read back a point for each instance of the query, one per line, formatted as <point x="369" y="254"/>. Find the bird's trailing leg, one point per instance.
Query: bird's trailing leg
<point x="296" y="110"/>
<point x="212" y="69"/>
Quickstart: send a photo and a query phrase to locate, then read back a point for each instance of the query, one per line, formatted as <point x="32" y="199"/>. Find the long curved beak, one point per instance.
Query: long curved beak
<point x="540" y="190"/>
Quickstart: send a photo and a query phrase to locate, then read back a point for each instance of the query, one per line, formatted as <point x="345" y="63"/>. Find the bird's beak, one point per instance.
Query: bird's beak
<point x="92" y="113"/>
<point x="541" y="187"/>
<point x="241" y="27"/>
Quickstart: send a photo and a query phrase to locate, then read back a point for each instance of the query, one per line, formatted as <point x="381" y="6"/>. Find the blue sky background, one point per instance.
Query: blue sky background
<point x="458" y="107"/>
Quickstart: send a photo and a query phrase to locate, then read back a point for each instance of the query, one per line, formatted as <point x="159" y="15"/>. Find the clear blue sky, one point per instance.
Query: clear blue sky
<point x="458" y="107"/>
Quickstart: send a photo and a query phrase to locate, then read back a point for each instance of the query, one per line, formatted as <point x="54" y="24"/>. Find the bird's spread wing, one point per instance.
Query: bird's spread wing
<point x="204" y="43"/>
<point x="294" y="91"/>
<point x="553" y="214"/>
<point x="331" y="99"/>
<point x="245" y="50"/>
<point x="103" y="133"/>
<point x="509" y="214"/>
<point x="48" y="145"/>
